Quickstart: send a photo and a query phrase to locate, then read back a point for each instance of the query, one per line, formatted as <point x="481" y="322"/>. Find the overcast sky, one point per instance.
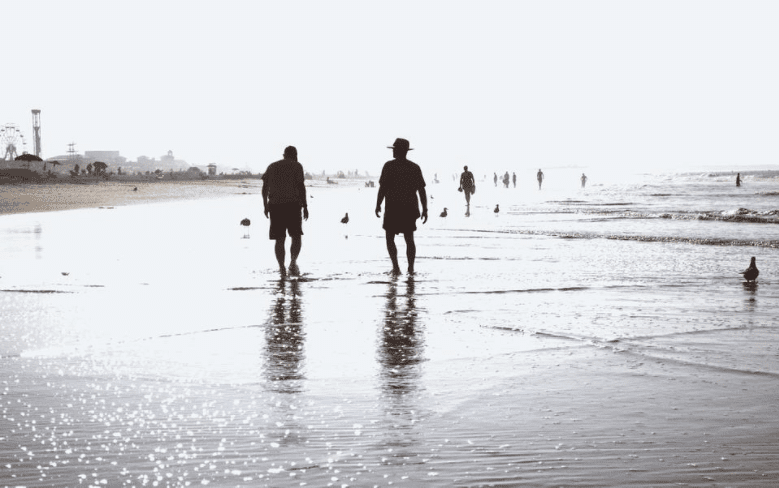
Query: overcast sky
<point x="493" y="84"/>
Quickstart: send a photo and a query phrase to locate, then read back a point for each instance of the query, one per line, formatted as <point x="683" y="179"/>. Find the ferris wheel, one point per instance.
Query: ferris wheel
<point x="12" y="142"/>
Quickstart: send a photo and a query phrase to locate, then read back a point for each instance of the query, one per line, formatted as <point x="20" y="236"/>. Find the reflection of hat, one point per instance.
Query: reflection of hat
<point x="400" y="144"/>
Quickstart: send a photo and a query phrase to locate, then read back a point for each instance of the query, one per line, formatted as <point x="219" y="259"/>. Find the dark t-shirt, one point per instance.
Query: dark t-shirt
<point x="285" y="179"/>
<point x="401" y="180"/>
<point x="466" y="180"/>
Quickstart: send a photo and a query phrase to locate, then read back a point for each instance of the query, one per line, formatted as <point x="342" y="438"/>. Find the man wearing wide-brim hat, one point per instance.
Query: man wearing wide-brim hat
<point x="399" y="184"/>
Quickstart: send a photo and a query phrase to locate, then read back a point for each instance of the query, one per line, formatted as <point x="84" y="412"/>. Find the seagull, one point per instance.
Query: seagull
<point x="443" y="214"/>
<point x="246" y="223"/>
<point x="750" y="274"/>
<point x="345" y="220"/>
<point x="497" y="208"/>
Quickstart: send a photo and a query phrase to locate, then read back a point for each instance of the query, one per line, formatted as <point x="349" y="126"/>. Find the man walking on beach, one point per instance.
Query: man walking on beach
<point x="399" y="183"/>
<point x="540" y="177"/>
<point x="467" y="184"/>
<point x="283" y="196"/>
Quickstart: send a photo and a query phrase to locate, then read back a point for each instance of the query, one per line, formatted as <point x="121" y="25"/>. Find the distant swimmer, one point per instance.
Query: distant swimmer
<point x="738" y="179"/>
<point x="497" y="208"/>
<point x="444" y="214"/>
<point x="750" y="274"/>
<point x="584" y="180"/>
<point x="467" y="184"/>
<point x="540" y="177"/>
<point x="345" y="220"/>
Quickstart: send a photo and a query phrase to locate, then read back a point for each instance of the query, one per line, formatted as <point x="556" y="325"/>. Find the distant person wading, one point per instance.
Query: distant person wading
<point x="399" y="183"/>
<point x="283" y="197"/>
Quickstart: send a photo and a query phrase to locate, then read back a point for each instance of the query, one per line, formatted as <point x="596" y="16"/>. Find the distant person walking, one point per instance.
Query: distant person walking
<point x="514" y="179"/>
<point x="467" y="185"/>
<point x="738" y="179"/>
<point x="399" y="183"/>
<point x="584" y="180"/>
<point x="283" y="196"/>
<point x="495" y="179"/>
<point x="540" y="177"/>
<point x="506" y="179"/>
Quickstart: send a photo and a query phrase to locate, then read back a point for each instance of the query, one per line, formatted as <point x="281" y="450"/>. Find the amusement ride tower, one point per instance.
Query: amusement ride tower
<point x="36" y="131"/>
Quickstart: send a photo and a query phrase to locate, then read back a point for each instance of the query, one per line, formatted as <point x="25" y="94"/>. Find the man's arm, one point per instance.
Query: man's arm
<point x="302" y="193"/>
<point x="423" y="199"/>
<point x="265" y="197"/>
<point x="379" y="199"/>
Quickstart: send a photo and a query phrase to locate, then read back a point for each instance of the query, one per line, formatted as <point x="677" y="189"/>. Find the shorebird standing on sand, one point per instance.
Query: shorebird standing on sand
<point x="246" y="223"/>
<point x="750" y="274"/>
<point x="444" y="214"/>
<point x="497" y="208"/>
<point x="345" y="220"/>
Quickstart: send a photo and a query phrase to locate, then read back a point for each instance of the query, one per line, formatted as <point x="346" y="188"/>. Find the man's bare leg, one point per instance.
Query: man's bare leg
<point x="294" y="251"/>
<point x="280" y="255"/>
<point x="393" y="252"/>
<point x="411" y="251"/>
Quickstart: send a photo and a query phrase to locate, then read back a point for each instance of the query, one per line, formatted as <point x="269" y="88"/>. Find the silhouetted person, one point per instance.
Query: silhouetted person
<point x="514" y="179"/>
<point x="540" y="178"/>
<point x="399" y="183"/>
<point x="506" y="179"/>
<point x="738" y="179"/>
<point x="283" y="196"/>
<point x="467" y="184"/>
<point x="584" y="180"/>
<point x="495" y="179"/>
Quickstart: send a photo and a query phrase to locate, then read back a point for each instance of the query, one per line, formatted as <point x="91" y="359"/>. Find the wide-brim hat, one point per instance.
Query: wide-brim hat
<point x="401" y="144"/>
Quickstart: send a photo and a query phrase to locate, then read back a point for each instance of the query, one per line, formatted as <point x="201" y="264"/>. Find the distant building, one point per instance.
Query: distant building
<point x="212" y="169"/>
<point x="108" y="157"/>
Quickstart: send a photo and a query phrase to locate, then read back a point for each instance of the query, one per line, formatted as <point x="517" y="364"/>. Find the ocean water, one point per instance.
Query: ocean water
<point x="596" y="336"/>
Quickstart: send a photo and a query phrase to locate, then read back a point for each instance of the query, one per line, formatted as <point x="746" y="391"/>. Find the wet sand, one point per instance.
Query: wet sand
<point x="177" y="357"/>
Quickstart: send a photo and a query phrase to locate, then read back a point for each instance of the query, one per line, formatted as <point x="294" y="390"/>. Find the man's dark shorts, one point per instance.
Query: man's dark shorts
<point x="285" y="217"/>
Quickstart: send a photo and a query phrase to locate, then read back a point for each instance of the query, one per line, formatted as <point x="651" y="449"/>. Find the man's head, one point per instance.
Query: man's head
<point x="400" y="148"/>
<point x="291" y="153"/>
<point x="465" y="168"/>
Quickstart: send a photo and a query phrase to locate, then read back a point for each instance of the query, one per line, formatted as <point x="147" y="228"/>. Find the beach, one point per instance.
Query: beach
<point x="579" y="337"/>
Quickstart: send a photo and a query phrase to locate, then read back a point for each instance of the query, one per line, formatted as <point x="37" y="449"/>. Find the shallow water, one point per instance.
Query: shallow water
<point x="592" y="337"/>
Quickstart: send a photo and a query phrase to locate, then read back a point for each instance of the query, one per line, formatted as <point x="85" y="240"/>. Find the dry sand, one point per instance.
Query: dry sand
<point x="67" y="195"/>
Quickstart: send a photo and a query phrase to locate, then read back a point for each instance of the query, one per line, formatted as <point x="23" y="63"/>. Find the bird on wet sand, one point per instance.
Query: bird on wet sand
<point x="246" y="223"/>
<point x="345" y="220"/>
<point x="444" y="214"/>
<point x="497" y="208"/>
<point x="750" y="274"/>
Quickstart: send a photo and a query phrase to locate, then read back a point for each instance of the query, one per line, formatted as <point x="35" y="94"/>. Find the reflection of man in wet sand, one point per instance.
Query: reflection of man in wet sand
<point x="467" y="184"/>
<point x="399" y="183"/>
<point x="540" y="178"/>
<point x="283" y="196"/>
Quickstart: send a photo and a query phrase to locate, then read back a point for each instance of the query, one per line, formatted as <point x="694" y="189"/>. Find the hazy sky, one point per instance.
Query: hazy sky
<point x="494" y="84"/>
